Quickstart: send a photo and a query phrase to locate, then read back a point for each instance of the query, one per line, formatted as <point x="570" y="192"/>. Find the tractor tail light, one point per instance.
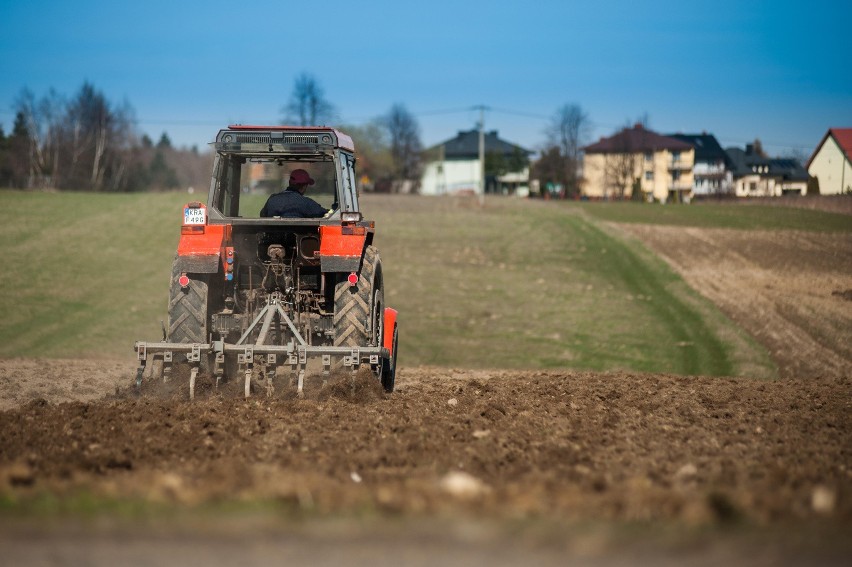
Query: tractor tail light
<point x="353" y="279"/>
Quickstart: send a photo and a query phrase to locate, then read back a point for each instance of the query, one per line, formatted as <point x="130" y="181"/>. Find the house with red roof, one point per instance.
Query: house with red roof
<point x="831" y="162"/>
<point x="637" y="158"/>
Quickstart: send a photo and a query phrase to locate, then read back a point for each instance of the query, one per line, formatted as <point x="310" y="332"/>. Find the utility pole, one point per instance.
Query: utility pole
<point x="442" y="175"/>
<point x="482" y="108"/>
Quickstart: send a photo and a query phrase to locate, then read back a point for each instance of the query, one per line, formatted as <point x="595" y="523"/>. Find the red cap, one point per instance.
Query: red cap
<point x="300" y="177"/>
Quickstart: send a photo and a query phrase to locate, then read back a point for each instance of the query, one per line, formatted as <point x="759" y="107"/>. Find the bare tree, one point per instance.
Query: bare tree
<point x="619" y="171"/>
<point x="757" y="148"/>
<point x="405" y="146"/>
<point x="568" y="130"/>
<point x="43" y="119"/>
<point x="307" y="105"/>
<point x="620" y="165"/>
<point x="375" y="163"/>
<point x="87" y="132"/>
<point x="79" y="144"/>
<point x="95" y="134"/>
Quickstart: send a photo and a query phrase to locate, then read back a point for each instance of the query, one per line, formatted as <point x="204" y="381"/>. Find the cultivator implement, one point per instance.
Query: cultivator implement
<point x="270" y="323"/>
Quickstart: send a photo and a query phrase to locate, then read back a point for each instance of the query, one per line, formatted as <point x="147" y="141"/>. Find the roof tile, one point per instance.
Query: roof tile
<point x="635" y="140"/>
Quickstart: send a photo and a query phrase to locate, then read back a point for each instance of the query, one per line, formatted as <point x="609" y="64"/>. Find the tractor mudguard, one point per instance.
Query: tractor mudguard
<point x="341" y="247"/>
<point x="201" y="252"/>
<point x="389" y="325"/>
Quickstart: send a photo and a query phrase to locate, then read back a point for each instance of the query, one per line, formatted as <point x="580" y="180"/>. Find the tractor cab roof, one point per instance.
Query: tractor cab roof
<point x="238" y="138"/>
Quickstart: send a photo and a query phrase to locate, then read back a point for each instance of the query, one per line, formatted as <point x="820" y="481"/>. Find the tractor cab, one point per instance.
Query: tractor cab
<point x="255" y="162"/>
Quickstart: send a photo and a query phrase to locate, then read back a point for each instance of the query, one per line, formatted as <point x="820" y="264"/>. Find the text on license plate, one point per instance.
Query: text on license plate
<point x="193" y="216"/>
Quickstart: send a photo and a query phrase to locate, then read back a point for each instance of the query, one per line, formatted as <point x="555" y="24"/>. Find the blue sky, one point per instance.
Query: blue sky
<point x="778" y="71"/>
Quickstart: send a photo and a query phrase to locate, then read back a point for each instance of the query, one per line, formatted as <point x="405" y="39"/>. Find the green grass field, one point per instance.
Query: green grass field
<point x="516" y="284"/>
<point x="528" y="285"/>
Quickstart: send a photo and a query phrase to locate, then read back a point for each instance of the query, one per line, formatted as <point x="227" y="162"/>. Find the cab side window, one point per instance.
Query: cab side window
<point x="347" y="171"/>
<point x="227" y="199"/>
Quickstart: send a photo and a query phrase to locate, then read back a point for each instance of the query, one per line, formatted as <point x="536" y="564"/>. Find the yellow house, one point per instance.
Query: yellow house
<point x="635" y="157"/>
<point x="831" y="162"/>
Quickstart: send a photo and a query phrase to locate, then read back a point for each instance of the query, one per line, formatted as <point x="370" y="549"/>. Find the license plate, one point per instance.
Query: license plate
<point x="193" y="216"/>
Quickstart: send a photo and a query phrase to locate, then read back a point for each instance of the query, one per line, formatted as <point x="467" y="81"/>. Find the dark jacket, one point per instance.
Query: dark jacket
<point x="292" y="204"/>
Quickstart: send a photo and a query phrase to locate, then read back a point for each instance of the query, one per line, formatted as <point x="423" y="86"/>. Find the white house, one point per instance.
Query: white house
<point x="453" y="166"/>
<point x="831" y="162"/>
<point x="758" y="176"/>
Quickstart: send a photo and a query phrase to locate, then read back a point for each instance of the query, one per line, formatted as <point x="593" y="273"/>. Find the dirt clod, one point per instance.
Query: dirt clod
<point x="639" y="446"/>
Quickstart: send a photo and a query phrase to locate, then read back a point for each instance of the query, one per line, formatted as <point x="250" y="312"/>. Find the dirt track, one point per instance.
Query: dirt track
<point x="567" y="447"/>
<point x="790" y="290"/>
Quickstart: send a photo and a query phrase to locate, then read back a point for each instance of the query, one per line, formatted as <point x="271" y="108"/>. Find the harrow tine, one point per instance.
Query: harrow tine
<point x="192" y="374"/>
<point x="293" y="361"/>
<point x="167" y="366"/>
<point x="326" y="369"/>
<point x="270" y="387"/>
<point x="219" y="367"/>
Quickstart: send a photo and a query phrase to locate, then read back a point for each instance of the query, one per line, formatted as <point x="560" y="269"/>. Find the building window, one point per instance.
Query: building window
<point x="675" y="157"/>
<point x="752" y="186"/>
<point x="649" y="156"/>
<point x="649" y="175"/>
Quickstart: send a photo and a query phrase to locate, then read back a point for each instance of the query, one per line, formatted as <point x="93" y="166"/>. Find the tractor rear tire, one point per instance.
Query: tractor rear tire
<point x="355" y="306"/>
<point x="188" y="310"/>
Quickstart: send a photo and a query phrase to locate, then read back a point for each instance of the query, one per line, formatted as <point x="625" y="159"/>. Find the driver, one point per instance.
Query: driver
<point x="291" y="202"/>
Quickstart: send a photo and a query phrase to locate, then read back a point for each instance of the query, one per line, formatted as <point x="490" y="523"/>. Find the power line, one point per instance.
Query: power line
<point x="151" y="121"/>
<point x="520" y="113"/>
<point x="444" y="111"/>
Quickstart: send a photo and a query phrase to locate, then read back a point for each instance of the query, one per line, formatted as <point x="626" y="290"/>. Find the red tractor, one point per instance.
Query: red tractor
<point x="250" y="294"/>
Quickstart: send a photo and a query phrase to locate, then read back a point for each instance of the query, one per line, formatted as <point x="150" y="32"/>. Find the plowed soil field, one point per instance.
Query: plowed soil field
<point x="469" y="467"/>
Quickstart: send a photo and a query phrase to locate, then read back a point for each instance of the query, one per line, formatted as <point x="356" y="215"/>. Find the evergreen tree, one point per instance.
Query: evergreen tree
<point x="165" y="142"/>
<point x="160" y="174"/>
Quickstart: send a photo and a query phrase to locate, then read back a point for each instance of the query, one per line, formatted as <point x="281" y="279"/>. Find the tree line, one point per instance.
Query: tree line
<point x="87" y="142"/>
